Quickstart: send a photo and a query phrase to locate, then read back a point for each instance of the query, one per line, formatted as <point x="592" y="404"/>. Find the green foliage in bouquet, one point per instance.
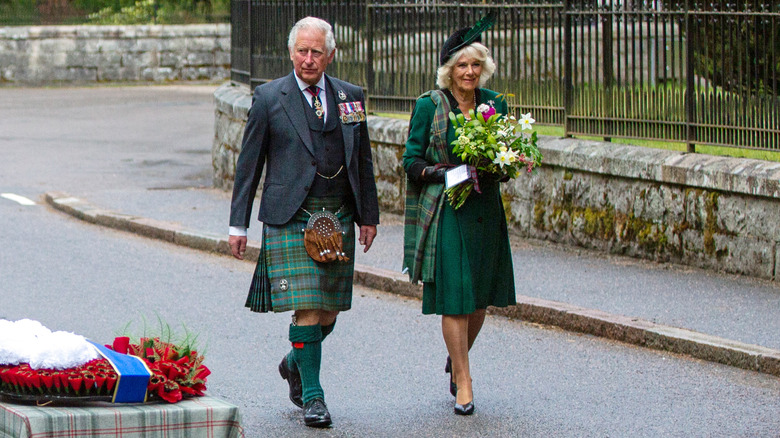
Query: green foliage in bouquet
<point x="495" y="145"/>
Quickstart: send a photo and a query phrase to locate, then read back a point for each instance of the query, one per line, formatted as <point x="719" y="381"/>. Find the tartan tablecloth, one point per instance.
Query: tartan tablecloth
<point x="197" y="417"/>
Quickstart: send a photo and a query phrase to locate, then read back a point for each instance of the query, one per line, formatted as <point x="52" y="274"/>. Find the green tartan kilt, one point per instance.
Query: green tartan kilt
<point x="286" y="278"/>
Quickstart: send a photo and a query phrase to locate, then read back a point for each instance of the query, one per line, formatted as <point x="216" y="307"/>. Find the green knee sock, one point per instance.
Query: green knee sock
<point x="307" y="354"/>
<point x="326" y="330"/>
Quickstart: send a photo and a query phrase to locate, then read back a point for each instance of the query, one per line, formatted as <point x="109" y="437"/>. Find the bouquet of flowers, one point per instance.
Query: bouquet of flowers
<point x="37" y="364"/>
<point x="490" y="143"/>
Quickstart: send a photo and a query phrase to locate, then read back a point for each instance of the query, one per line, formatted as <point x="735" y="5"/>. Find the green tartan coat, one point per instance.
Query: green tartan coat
<point x="469" y="263"/>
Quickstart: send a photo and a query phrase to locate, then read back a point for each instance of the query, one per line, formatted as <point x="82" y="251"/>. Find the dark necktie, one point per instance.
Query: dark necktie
<point x="316" y="103"/>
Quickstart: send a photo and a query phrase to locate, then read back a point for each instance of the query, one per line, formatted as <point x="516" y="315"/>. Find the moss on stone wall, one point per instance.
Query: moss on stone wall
<point x="652" y="237"/>
<point x="649" y="236"/>
<point x="710" y="224"/>
<point x="556" y="217"/>
<point x="539" y="212"/>
<point x="711" y="227"/>
<point x="506" y="200"/>
<point x="605" y="224"/>
<point x="597" y="223"/>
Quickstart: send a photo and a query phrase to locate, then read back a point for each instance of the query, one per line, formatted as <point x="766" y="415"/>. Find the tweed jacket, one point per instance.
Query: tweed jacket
<point x="277" y="137"/>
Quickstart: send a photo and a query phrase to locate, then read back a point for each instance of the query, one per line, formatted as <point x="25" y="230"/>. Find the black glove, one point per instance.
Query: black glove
<point x="431" y="174"/>
<point x="488" y="177"/>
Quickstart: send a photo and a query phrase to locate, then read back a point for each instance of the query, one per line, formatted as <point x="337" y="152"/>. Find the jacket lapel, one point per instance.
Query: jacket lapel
<point x="346" y="128"/>
<point x="293" y="106"/>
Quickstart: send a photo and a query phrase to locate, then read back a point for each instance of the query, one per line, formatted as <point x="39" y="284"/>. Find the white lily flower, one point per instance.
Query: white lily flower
<point x="502" y="158"/>
<point x="526" y="121"/>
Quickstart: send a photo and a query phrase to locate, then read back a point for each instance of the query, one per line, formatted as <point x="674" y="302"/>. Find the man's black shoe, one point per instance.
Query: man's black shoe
<point x="315" y="413"/>
<point x="293" y="378"/>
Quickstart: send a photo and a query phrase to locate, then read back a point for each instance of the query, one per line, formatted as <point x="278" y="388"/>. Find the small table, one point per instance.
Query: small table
<point x="195" y="417"/>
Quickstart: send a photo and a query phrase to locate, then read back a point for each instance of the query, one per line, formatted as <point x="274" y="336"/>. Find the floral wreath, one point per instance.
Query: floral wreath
<point x="39" y="365"/>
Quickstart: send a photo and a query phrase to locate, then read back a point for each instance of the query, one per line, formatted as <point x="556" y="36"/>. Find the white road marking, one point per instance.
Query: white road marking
<point x="16" y="198"/>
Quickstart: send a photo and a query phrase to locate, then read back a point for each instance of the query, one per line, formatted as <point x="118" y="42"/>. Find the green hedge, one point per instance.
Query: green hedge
<point x="52" y="12"/>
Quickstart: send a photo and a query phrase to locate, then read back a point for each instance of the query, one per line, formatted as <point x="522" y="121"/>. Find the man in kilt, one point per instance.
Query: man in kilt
<point x="308" y="130"/>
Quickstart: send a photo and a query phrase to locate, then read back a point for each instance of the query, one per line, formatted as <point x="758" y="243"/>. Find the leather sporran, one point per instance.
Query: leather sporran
<point x="323" y="238"/>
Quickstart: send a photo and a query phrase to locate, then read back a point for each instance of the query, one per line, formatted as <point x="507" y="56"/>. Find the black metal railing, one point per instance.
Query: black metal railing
<point x="597" y="67"/>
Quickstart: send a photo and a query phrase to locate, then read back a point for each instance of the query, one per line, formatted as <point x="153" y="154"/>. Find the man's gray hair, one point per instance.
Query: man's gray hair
<point x="317" y="24"/>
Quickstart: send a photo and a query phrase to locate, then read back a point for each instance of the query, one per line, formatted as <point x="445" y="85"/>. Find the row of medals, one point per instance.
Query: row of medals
<point x="346" y="118"/>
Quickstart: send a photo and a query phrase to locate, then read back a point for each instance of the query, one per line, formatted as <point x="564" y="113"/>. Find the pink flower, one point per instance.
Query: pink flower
<point x="486" y="110"/>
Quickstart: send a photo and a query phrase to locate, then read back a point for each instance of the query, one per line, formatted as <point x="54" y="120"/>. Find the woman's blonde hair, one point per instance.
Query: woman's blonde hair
<point x="474" y="50"/>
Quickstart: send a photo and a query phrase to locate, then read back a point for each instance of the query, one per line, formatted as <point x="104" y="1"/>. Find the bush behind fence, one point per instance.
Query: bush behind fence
<point x="603" y="68"/>
<point x="120" y="12"/>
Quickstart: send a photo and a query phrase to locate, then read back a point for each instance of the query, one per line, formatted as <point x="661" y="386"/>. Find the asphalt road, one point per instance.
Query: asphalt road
<point x="383" y="366"/>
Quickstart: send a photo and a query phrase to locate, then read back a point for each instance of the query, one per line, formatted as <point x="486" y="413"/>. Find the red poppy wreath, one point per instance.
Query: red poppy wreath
<point x="39" y="365"/>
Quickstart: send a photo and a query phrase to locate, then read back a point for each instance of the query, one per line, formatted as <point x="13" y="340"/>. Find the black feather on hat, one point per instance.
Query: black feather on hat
<point x="463" y="37"/>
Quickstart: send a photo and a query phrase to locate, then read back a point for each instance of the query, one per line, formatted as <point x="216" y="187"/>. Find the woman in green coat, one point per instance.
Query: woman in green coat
<point x="462" y="255"/>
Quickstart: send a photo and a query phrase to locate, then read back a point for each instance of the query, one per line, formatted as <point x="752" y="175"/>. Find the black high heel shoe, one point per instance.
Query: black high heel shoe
<point x="466" y="409"/>
<point x="448" y="370"/>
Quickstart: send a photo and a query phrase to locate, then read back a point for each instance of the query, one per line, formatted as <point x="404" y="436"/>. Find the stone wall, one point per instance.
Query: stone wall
<point x="701" y="210"/>
<point x="78" y="54"/>
<point x="232" y="104"/>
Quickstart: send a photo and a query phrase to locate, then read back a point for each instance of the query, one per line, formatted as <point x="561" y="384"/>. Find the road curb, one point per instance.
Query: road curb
<point x="630" y="330"/>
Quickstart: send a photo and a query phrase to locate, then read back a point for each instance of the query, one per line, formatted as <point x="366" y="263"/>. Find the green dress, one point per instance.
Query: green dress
<point x="473" y="264"/>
